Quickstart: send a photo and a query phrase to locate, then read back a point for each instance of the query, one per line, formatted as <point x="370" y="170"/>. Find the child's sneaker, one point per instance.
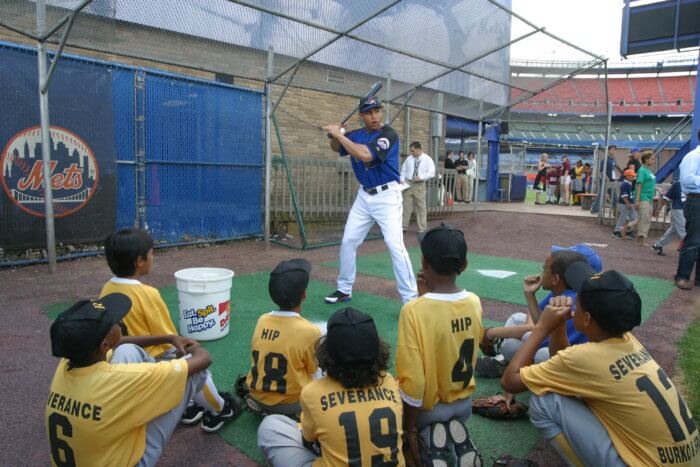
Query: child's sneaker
<point x="466" y="452"/>
<point x="658" y="250"/>
<point x="337" y="297"/>
<point x="213" y="422"/>
<point x="192" y="414"/>
<point x="617" y="234"/>
<point x="490" y="367"/>
<point x="439" y="455"/>
<point x="629" y="234"/>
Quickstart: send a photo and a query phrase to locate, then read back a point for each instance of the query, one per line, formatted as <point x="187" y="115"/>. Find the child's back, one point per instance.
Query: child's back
<point x="283" y="360"/>
<point x="149" y="315"/>
<point x="444" y="325"/>
<point x="129" y="254"/>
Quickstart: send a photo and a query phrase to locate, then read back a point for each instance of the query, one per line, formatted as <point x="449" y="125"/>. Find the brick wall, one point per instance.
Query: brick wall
<point x="300" y="114"/>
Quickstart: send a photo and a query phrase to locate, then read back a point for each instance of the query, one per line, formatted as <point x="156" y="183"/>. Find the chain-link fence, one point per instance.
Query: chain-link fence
<point x="179" y="157"/>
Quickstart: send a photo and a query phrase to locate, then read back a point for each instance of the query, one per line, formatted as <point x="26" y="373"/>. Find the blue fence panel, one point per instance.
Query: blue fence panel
<point x="204" y="152"/>
<point x="123" y="98"/>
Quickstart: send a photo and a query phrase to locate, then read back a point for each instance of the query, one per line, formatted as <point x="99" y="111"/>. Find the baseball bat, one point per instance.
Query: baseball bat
<point x="373" y="90"/>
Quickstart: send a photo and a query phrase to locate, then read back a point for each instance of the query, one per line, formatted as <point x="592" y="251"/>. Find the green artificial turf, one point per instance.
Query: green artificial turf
<point x="652" y="291"/>
<point x="231" y="356"/>
<point x="689" y="363"/>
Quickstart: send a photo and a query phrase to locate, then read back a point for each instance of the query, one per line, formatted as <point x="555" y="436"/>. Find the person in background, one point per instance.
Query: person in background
<point x="690" y="185"/>
<point x="565" y="181"/>
<point x="577" y="185"/>
<point x="540" y="184"/>
<point x="587" y="177"/>
<point x="449" y="160"/>
<point x="675" y="197"/>
<point x="418" y="169"/>
<point x="627" y="214"/>
<point x="552" y="184"/>
<point x="609" y="170"/>
<point x="645" y="189"/>
<point x="471" y="175"/>
<point x="461" y="166"/>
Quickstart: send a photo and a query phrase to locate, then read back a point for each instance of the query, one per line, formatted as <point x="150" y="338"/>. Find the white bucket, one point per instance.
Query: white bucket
<point x="205" y="302"/>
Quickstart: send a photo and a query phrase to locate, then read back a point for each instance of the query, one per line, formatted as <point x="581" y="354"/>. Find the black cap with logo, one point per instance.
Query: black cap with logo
<point x="352" y="337"/>
<point x="79" y="330"/>
<point x="609" y="297"/>
<point x="445" y="248"/>
<point x="369" y="103"/>
<point x="288" y="281"/>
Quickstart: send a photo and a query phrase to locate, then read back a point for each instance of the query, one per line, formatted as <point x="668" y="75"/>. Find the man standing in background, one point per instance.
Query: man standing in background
<point x="461" y="165"/>
<point x="417" y="169"/>
<point x="690" y="185"/>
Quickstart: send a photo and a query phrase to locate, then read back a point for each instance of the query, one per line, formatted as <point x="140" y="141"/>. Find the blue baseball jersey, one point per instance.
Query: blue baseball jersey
<point x="384" y="166"/>
<point x="574" y="336"/>
<point x="675" y="196"/>
<point x="626" y="192"/>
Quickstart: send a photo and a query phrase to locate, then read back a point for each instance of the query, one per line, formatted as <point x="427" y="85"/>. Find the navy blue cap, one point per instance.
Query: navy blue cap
<point x="288" y="281"/>
<point x="79" y="330"/>
<point x="352" y="337"/>
<point x="369" y="103"/>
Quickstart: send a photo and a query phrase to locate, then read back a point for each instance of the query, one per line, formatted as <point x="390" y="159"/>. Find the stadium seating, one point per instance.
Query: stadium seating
<point x="630" y="95"/>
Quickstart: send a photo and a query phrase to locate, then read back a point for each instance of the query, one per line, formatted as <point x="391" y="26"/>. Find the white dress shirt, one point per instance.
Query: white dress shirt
<point x="690" y="172"/>
<point x="425" y="168"/>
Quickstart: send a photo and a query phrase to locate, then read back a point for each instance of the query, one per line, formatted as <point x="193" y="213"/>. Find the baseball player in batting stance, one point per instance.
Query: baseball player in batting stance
<point x="375" y="161"/>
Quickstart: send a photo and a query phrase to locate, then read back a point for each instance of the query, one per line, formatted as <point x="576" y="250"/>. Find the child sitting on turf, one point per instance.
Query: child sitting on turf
<point x="110" y="403"/>
<point x="129" y="254"/>
<point x="606" y="402"/>
<point x="350" y="416"/>
<point x="283" y="346"/>
<point x="517" y="327"/>
<point x="439" y="335"/>
<point x="627" y="215"/>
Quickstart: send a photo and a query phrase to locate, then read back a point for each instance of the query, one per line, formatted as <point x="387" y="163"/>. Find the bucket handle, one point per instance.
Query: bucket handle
<point x="196" y="286"/>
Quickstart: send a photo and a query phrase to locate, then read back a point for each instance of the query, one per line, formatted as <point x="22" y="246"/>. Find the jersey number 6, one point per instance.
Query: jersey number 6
<point x="61" y="452"/>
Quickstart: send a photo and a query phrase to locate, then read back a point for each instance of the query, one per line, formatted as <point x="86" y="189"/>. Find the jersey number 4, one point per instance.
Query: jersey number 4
<point x="644" y="384"/>
<point x="462" y="371"/>
<point x="275" y="369"/>
<point x="389" y="440"/>
<point x="61" y="452"/>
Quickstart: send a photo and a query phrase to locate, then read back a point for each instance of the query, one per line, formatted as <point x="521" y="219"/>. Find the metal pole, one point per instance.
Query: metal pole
<point x="387" y="104"/>
<point x="601" y="195"/>
<point x="406" y="129"/>
<point x="45" y="139"/>
<point x="478" y="161"/>
<point x="268" y="143"/>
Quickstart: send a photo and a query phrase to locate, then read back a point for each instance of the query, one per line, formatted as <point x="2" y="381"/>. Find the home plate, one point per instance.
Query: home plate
<point x="497" y="273"/>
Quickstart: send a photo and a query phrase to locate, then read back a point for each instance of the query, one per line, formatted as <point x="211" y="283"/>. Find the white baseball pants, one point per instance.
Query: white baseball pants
<point x="386" y="209"/>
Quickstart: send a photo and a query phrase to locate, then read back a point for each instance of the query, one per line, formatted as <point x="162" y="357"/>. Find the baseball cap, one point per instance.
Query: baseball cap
<point x="370" y="102"/>
<point x="288" y="281"/>
<point x="592" y="257"/>
<point x="352" y="337"/>
<point x="629" y="173"/>
<point x="445" y="248"/>
<point x="635" y="150"/>
<point x="78" y="331"/>
<point x="608" y="296"/>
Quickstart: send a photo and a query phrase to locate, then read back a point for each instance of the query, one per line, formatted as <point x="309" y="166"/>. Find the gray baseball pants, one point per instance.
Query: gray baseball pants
<point x="677" y="228"/>
<point x="511" y="346"/>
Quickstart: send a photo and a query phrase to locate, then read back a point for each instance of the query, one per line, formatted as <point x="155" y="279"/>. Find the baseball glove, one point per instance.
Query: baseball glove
<point x="490" y="347"/>
<point x="495" y="407"/>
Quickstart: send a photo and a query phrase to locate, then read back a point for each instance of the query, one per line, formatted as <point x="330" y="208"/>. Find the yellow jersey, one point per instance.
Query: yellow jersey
<point x="283" y="358"/>
<point x="149" y="315"/>
<point x="361" y="426"/>
<point x="439" y="336"/>
<point x="647" y="420"/>
<point x="97" y="415"/>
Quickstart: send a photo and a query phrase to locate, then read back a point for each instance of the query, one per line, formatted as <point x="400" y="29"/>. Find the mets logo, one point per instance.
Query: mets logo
<point x="74" y="172"/>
